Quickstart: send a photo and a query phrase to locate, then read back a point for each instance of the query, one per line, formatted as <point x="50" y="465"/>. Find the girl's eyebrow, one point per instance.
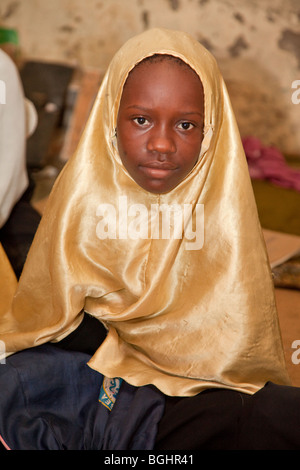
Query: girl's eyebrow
<point x="146" y="110"/>
<point x="136" y="106"/>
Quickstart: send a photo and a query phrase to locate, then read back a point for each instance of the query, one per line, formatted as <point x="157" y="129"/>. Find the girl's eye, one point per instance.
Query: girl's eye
<point x="186" y="125"/>
<point x="141" y="121"/>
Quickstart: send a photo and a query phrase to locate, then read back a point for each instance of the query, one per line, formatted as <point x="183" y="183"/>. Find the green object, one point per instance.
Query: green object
<point x="278" y="208"/>
<point x="9" y="36"/>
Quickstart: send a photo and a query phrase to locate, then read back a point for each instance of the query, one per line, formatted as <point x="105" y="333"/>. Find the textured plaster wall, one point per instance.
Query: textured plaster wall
<point x="256" y="43"/>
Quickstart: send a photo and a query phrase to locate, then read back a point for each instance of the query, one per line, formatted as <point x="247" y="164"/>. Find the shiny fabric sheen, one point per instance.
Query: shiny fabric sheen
<point x="8" y="281"/>
<point x="183" y="320"/>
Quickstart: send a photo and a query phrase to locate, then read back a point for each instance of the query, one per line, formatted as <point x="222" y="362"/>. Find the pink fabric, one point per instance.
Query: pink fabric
<point x="268" y="163"/>
<point x="4" y="443"/>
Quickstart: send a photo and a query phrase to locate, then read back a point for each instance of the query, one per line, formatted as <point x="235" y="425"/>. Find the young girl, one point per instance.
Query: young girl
<point x="150" y="259"/>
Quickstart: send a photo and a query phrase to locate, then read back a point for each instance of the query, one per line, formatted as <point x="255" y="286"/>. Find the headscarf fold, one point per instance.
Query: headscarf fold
<point x="8" y="282"/>
<point x="182" y="313"/>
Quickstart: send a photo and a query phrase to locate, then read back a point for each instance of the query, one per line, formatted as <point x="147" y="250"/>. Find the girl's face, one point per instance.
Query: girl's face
<point x="160" y="124"/>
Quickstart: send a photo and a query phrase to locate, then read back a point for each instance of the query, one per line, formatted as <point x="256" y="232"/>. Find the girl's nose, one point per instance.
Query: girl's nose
<point x="161" y="141"/>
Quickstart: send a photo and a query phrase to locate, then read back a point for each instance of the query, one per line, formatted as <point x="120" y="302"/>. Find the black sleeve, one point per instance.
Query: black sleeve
<point x="86" y="338"/>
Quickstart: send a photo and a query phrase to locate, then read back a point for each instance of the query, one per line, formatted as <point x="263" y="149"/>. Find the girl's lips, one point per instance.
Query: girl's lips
<point x="158" y="170"/>
<point x="160" y="166"/>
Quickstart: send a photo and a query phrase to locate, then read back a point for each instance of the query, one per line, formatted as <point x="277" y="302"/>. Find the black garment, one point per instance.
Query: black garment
<point x="216" y="419"/>
<point x="228" y="420"/>
<point x="18" y="232"/>
<point x="86" y="338"/>
<point x="52" y="400"/>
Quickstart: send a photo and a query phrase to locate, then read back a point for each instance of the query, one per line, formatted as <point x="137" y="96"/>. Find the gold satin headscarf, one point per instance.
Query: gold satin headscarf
<point x="8" y="283"/>
<point x="182" y="319"/>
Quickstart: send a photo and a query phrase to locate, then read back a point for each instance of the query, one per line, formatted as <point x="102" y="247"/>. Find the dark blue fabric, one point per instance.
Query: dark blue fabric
<point x="49" y="401"/>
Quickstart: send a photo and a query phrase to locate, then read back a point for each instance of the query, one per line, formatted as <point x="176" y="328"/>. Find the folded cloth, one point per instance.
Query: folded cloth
<point x="269" y="163"/>
<point x="49" y="401"/>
